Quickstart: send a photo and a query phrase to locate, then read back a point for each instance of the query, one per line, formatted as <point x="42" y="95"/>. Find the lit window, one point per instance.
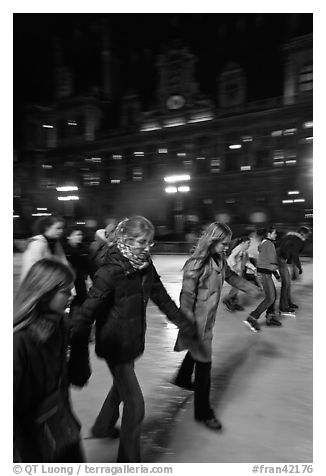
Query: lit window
<point x="277" y="133"/>
<point x="290" y="132"/>
<point x="235" y="146"/>
<point x="247" y="139"/>
<point x="306" y="78"/>
<point x="308" y="125"/>
<point x="245" y="167"/>
<point x="163" y="151"/>
<point x="293" y="192"/>
<point x="287" y="201"/>
<point x="116" y="157"/>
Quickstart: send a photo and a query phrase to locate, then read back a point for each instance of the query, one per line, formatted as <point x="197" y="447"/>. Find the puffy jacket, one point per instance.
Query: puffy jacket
<point x="117" y="301"/>
<point x="97" y="252"/>
<point x="290" y="247"/>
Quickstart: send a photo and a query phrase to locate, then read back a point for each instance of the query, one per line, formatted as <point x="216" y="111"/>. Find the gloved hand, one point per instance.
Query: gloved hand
<point x="300" y="270"/>
<point x="79" y="369"/>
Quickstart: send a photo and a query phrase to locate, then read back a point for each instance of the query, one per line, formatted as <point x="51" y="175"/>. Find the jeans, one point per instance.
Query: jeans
<point x="125" y="389"/>
<point x="285" y="297"/>
<point x="270" y="297"/>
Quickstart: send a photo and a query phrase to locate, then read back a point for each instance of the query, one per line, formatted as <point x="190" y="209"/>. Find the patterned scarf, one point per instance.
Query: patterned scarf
<point x="139" y="261"/>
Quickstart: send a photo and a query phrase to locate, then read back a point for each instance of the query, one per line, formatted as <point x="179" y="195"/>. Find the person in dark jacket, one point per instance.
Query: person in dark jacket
<point x="288" y="253"/>
<point x="77" y="255"/>
<point x="40" y="366"/>
<point x="117" y="301"/>
<point x="104" y="239"/>
<point x="266" y="268"/>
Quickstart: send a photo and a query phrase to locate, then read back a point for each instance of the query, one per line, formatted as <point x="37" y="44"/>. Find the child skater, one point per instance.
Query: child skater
<point x="266" y="267"/>
<point x="45" y="429"/>
<point x="204" y="274"/>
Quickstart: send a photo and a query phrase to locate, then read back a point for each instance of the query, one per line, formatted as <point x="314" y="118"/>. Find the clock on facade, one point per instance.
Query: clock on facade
<point x="175" y="102"/>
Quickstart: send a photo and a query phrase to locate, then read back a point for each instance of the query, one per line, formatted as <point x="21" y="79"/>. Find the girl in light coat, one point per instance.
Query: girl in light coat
<point x="45" y="243"/>
<point x="204" y="275"/>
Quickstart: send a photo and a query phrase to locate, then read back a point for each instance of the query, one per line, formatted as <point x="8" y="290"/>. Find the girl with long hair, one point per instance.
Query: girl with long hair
<point x="117" y="301"/>
<point x="45" y="243"/>
<point x="203" y="278"/>
<point x="45" y="429"/>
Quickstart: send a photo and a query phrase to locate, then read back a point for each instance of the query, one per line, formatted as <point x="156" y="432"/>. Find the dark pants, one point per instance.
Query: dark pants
<point x="202" y="408"/>
<point x="125" y="389"/>
<point x="285" y="297"/>
<point x="270" y="297"/>
<point x="185" y="371"/>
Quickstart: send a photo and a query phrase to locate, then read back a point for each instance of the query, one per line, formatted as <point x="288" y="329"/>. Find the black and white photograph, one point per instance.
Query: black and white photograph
<point x="163" y="239"/>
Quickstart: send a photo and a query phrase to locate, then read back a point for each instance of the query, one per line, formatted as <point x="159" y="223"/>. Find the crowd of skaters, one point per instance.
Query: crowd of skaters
<point x="109" y="283"/>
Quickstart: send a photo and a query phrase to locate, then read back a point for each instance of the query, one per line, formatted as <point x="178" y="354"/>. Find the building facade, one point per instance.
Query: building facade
<point x="241" y="162"/>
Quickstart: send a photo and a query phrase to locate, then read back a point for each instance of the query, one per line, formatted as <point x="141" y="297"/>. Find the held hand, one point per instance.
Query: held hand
<point x="300" y="271"/>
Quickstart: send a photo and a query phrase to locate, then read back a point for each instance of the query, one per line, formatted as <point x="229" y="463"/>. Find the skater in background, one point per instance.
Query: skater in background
<point x="203" y="278"/>
<point x="103" y="240"/>
<point x="117" y="301"/>
<point x="45" y="243"/>
<point x="288" y="253"/>
<point x="238" y="261"/>
<point x="45" y="429"/>
<point x="266" y="268"/>
<point x="77" y="255"/>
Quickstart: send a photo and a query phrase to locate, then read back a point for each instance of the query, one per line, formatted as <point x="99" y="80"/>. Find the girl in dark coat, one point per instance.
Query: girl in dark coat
<point x="40" y="368"/>
<point x="117" y="301"/>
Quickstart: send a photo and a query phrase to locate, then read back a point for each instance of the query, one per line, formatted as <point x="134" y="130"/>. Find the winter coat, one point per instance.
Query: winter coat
<point x="199" y="299"/>
<point x="267" y="258"/>
<point x="78" y="259"/>
<point x="117" y="301"/>
<point x="290" y="248"/>
<point x="97" y="252"/>
<point x="39" y="359"/>
<point x="37" y="249"/>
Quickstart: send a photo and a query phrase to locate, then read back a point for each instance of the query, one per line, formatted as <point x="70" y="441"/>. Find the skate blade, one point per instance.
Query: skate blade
<point x="247" y="324"/>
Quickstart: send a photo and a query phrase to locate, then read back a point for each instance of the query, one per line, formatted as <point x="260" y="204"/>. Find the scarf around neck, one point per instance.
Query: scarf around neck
<point x="140" y="261"/>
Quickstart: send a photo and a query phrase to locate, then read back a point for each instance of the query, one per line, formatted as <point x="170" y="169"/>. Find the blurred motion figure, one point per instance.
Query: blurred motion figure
<point x="45" y="429"/>
<point x="45" y="243"/>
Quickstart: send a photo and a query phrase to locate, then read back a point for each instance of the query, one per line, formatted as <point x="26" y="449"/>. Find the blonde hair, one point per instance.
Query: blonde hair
<point x="133" y="227"/>
<point x="214" y="233"/>
<point x="43" y="280"/>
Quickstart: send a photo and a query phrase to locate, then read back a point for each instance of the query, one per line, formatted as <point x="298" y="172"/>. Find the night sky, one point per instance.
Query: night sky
<point x="252" y="40"/>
